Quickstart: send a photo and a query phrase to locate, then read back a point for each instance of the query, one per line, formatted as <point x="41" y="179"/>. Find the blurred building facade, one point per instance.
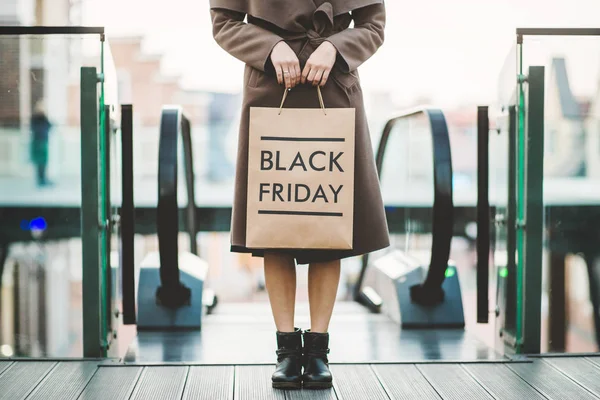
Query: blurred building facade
<point x="592" y="128"/>
<point x="564" y="131"/>
<point x="38" y="294"/>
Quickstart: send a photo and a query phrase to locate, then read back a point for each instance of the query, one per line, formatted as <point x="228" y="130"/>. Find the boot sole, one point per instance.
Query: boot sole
<point x="318" y="385"/>
<point x="287" y="385"/>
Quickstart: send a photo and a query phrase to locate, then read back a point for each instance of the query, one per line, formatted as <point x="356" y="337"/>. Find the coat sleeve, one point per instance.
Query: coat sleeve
<point x="246" y="42"/>
<point x="356" y="45"/>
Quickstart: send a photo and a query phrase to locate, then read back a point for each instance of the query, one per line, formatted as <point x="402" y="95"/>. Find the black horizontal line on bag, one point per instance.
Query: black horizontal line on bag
<point x="302" y="139"/>
<point x="312" y="213"/>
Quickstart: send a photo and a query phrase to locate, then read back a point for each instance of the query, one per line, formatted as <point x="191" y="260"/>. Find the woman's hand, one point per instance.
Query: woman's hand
<point x="319" y="65"/>
<point x="286" y="65"/>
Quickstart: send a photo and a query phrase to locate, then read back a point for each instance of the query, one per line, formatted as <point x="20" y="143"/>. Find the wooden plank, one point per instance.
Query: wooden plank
<point x="501" y="382"/>
<point x="114" y="383"/>
<point x="579" y="369"/>
<point x="22" y="377"/>
<point x="593" y="359"/>
<point x="308" y="394"/>
<point x="404" y="382"/>
<point x="451" y="381"/>
<point x="215" y="382"/>
<point x="66" y="381"/>
<point x="550" y="382"/>
<point x="161" y="383"/>
<point x="357" y="382"/>
<point x="253" y="382"/>
<point x="4" y="366"/>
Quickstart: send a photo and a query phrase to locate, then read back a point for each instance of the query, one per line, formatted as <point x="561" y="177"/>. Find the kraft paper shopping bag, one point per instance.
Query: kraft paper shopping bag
<point x="300" y="177"/>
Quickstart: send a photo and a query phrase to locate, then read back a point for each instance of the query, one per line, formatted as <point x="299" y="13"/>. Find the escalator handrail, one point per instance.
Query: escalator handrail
<point x="443" y="206"/>
<point x="173" y="124"/>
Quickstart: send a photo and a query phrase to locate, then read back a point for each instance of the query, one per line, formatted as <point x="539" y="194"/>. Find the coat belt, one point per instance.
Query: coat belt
<point x="314" y="37"/>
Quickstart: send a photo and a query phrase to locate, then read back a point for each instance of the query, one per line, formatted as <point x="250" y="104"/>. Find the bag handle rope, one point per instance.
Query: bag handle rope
<point x="285" y="93"/>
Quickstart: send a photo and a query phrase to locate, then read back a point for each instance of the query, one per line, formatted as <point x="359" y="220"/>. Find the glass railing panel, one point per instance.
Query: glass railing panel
<point x="571" y="194"/>
<point x="113" y="186"/>
<point x="40" y="192"/>
<point x="507" y="82"/>
<point x="503" y="272"/>
<point x="407" y="183"/>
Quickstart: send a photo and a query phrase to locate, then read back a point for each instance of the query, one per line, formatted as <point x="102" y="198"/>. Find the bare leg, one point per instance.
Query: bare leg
<point x="280" y="281"/>
<point x="323" y="280"/>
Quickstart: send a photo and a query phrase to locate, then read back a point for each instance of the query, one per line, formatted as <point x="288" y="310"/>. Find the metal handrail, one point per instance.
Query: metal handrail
<point x="430" y="290"/>
<point x="174" y="123"/>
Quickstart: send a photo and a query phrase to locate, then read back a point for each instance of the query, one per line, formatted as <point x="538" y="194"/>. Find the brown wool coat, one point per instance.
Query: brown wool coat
<point x="304" y="25"/>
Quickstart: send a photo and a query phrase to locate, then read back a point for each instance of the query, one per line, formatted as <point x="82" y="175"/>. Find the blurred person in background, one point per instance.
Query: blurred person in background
<point x="40" y="134"/>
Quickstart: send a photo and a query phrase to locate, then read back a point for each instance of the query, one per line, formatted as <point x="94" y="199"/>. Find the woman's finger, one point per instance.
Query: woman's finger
<point x="311" y="74"/>
<point x="287" y="77"/>
<point x="318" y="77"/>
<point x="298" y="73"/>
<point x="293" y="76"/>
<point x="325" y="76"/>
<point x="305" y="72"/>
<point x="279" y="72"/>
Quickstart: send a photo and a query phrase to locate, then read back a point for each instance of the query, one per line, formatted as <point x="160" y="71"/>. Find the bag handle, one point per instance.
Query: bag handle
<point x="285" y="92"/>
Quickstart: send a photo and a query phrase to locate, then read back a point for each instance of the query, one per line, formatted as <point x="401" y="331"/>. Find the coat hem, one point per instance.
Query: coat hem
<point x="310" y="256"/>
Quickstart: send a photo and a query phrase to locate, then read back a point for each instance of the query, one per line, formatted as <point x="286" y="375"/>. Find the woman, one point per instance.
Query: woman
<point x="302" y="44"/>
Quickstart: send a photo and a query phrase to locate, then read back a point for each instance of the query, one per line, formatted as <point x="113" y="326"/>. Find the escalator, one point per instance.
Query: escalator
<point x="419" y="161"/>
<point x="407" y="298"/>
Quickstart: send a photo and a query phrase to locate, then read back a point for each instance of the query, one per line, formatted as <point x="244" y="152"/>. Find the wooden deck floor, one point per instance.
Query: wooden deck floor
<point x="357" y="336"/>
<point x="557" y="378"/>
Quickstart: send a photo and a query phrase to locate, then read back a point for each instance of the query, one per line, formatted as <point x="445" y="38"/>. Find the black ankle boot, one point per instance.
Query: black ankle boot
<point x="316" y="365"/>
<point x="288" y="372"/>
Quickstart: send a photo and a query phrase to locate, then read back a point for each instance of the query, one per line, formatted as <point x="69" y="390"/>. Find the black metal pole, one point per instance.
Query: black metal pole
<point x="3" y="258"/>
<point x="108" y="213"/>
<point x="510" y="303"/>
<point x="483" y="214"/>
<point x="190" y="182"/>
<point x="127" y="216"/>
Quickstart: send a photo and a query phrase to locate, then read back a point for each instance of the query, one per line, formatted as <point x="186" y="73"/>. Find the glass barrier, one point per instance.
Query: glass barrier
<point x="407" y="184"/>
<point x="571" y="273"/>
<point x="501" y="196"/>
<point x="507" y="84"/>
<point x="570" y="292"/>
<point x="501" y="169"/>
<point x="113" y="186"/>
<point x="40" y="192"/>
